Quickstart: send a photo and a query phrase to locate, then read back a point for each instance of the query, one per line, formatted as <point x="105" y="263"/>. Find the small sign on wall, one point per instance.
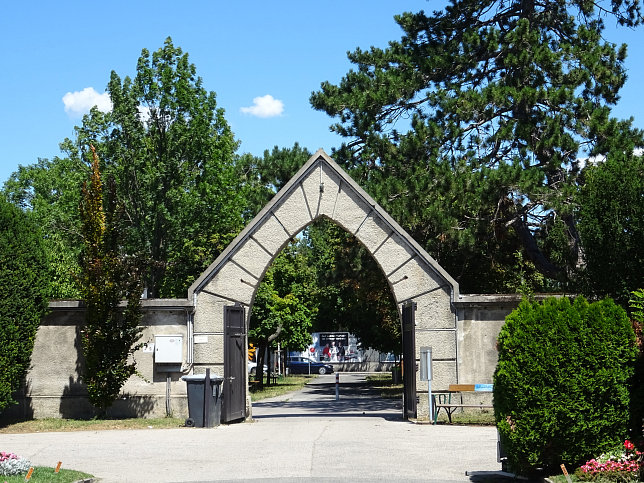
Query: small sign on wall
<point x="201" y="339"/>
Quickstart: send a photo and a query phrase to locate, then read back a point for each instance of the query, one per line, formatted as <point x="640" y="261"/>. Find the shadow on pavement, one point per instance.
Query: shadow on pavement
<point x="318" y="399"/>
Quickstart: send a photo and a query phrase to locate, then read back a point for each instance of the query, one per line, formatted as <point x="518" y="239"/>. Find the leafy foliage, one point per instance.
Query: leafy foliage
<point x="469" y="128"/>
<point x="264" y="176"/>
<point x="171" y="153"/>
<point x="282" y="309"/>
<point x="352" y="292"/>
<point x="23" y="295"/>
<point x="637" y="382"/>
<point x="561" y="386"/>
<point x="110" y="334"/>
<point x="611" y="225"/>
<point x="50" y="191"/>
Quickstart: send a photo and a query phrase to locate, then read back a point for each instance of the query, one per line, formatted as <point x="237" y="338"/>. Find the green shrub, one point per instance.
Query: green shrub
<point x="23" y="303"/>
<point x="637" y="387"/>
<point x="561" y="391"/>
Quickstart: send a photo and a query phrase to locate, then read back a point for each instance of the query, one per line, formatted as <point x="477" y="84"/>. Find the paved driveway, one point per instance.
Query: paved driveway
<point x="304" y="437"/>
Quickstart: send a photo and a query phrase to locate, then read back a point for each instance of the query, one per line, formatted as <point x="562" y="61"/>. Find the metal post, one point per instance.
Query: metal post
<point x="206" y="400"/>
<point x="168" y="409"/>
<point x="426" y="375"/>
<point x="429" y="401"/>
<point x="337" y="386"/>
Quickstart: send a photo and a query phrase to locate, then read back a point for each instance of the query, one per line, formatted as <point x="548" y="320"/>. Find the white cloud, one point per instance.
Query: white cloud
<point x="80" y="102"/>
<point x="265" y="106"/>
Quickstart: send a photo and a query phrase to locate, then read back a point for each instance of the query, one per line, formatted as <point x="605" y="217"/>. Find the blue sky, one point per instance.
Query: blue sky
<point x="243" y="50"/>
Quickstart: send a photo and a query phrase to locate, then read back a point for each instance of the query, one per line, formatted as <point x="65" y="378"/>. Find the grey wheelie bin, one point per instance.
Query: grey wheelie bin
<point x="203" y="409"/>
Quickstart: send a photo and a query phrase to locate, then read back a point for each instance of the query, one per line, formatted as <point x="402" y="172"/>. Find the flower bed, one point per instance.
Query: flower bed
<point x="12" y="464"/>
<point x="620" y="466"/>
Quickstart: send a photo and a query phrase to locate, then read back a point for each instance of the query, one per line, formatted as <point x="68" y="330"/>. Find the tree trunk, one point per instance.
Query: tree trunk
<point x="259" y="370"/>
<point x="545" y="266"/>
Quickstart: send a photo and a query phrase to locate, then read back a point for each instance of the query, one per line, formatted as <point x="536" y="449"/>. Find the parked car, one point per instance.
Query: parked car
<point x="300" y="365"/>
<point x="252" y="368"/>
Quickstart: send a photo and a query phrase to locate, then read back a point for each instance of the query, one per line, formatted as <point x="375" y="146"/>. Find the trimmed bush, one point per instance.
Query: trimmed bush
<point x="23" y="301"/>
<point x="561" y="391"/>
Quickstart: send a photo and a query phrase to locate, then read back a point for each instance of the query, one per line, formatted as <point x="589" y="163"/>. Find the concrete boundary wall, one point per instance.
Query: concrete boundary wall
<point x="54" y="388"/>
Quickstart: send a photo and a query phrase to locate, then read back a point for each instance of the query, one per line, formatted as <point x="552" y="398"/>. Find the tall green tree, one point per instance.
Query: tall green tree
<point x="264" y="176"/>
<point x="284" y="306"/>
<point x="110" y="334"/>
<point x="611" y="224"/>
<point x="50" y="191"/>
<point x="352" y="292"/>
<point x="468" y="130"/>
<point x="171" y="153"/>
<point x="23" y="295"/>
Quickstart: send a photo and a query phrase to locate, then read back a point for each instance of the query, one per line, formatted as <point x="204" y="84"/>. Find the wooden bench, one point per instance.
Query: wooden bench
<point x="449" y="405"/>
<point x="254" y="382"/>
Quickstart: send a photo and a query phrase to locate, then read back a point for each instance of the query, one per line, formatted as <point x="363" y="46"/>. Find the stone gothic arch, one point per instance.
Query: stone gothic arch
<point x="322" y="189"/>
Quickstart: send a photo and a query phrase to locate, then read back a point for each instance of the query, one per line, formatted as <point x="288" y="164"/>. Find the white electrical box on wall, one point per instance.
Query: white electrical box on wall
<point x="168" y="349"/>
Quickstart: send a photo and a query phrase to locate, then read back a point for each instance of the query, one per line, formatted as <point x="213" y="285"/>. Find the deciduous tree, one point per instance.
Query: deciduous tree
<point x="50" y="191"/>
<point x="107" y="277"/>
<point x="352" y="292"/>
<point x="283" y="306"/>
<point x="171" y="153"/>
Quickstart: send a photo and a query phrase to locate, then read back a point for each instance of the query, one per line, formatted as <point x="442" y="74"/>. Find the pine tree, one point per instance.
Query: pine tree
<point x="469" y="129"/>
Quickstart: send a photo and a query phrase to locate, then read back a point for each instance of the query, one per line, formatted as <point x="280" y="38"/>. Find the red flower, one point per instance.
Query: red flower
<point x="629" y="446"/>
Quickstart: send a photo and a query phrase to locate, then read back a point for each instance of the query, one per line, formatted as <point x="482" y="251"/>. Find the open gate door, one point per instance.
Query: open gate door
<point x="234" y="404"/>
<point x="409" y="360"/>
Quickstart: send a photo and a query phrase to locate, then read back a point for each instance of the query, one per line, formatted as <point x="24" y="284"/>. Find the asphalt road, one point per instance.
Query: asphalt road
<point x="307" y="436"/>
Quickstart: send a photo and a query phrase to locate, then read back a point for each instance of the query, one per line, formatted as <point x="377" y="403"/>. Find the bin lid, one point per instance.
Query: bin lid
<point x="202" y="378"/>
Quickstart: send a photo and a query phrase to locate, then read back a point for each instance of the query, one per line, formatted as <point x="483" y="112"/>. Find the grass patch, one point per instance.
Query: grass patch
<point x="284" y="385"/>
<point x="46" y="474"/>
<point x="385" y="384"/>
<point x="479" y="417"/>
<point x="56" y="424"/>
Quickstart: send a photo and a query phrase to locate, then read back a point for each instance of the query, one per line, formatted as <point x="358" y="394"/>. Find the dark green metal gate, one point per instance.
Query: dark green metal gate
<point x="234" y="407"/>
<point x="409" y="360"/>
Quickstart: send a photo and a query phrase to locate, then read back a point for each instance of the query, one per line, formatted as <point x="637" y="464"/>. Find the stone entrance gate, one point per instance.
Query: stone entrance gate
<point x="322" y="189"/>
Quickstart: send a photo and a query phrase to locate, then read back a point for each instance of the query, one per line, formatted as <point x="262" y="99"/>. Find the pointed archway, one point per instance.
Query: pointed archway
<point x="322" y="189"/>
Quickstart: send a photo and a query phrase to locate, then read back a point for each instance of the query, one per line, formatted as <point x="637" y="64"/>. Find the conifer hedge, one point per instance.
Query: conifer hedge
<point x="23" y="301"/>
<point x="561" y="391"/>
